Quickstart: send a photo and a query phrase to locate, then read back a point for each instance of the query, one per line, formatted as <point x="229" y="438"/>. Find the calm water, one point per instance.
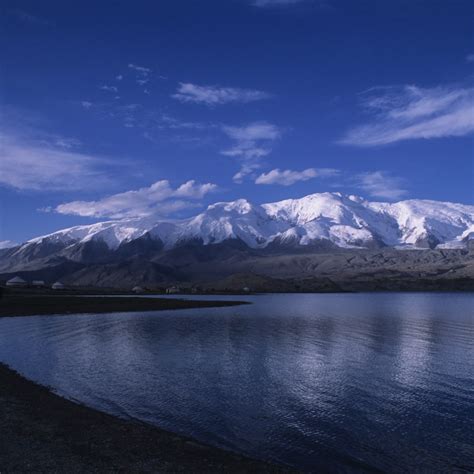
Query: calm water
<point x="336" y="382"/>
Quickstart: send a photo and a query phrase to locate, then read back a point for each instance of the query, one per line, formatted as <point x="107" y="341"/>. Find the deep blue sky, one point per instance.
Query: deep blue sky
<point x="373" y="98"/>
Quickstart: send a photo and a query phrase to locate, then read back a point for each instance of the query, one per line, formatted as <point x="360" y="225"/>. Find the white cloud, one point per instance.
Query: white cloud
<point x="86" y="104"/>
<point x="45" y="162"/>
<point x="167" y="121"/>
<point x="253" y="132"/>
<point x="119" y="77"/>
<point x="380" y="184"/>
<point x="214" y="95"/>
<point x="246" y="169"/>
<point x="289" y="177"/>
<point x="142" y="75"/>
<point x="193" y="190"/>
<point x="247" y="151"/>
<point x="140" y="69"/>
<point x="159" y="198"/>
<point x="109" y="88"/>
<point x="67" y="143"/>
<point x="154" y="125"/>
<point x="470" y="58"/>
<point x="411" y="112"/>
<point x="6" y="244"/>
<point x="251" y="143"/>
<point x="286" y="177"/>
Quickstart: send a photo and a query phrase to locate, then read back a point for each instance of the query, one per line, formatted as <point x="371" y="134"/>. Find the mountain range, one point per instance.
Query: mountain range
<point x="321" y="241"/>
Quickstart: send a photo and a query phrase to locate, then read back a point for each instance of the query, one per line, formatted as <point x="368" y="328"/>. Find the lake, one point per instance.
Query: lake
<point x="338" y="382"/>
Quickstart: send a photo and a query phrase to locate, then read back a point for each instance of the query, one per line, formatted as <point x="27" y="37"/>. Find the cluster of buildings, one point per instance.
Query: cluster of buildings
<point x="172" y="290"/>
<point x="175" y="290"/>
<point x="18" y="282"/>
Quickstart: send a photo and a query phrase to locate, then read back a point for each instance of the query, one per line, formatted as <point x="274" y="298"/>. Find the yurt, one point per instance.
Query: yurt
<point x="16" y="282"/>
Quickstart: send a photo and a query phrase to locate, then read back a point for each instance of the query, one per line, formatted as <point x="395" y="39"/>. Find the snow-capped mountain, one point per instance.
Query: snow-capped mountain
<point x="330" y="218"/>
<point x="319" y="236"/>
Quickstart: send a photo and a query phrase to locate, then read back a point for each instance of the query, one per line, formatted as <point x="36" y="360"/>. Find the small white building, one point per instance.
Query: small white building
<point x="173" y="290"/>
<point x="246" y="289"/>
<point x="17" y="282"/>
<point x="138" y="289"/>
<point x="38" y="283"/>
<point x="57" y="286"/>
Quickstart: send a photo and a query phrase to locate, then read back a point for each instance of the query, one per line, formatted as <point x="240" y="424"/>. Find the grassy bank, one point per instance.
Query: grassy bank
<point x="42" y="432"/>
<point x="27" y="305"/>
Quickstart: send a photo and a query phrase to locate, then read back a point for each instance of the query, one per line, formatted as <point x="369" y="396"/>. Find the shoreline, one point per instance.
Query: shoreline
<point x="44" y="432"/>
<point x="36" y="305"/>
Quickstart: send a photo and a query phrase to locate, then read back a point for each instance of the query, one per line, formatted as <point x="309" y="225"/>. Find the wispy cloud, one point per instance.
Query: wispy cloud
<point x="159" y="198"/>
<point x="142" y="75"/>
<point x="214" y="95"/>
<point x="412" y="112"/>
<point x="153" y="124"/>
<point x="109" y="88"/>
<point x="47" y="164"/>
<point x="34" y="158"/>
<point x="286" y="177"/>
<point x="140" y="69"/>
<point x="170" y="122"/>
<point x="6" y="244"/>
<point x="251" y="143"/>
<point x="129" y="115"/>
<point x="470" y="58"/>
<point x="253" y="132"/>
<point x="27" y="17"/>
<point x="289" y="177"/>
<point x="66" y="143"/>
<point x="381" y="185"/>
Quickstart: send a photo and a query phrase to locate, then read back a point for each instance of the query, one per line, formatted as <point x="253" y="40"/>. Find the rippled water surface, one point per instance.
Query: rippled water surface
<point x="339" y="382"/>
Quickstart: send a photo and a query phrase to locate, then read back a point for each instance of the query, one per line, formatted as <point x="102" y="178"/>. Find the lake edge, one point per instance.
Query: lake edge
<point x="63" y="434"/>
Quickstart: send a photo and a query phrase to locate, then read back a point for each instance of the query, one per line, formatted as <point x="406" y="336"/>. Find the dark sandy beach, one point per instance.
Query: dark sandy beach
<point x="43" y="432"/>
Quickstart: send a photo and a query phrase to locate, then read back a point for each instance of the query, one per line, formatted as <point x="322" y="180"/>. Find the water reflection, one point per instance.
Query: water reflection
<point x="350" y="382"/>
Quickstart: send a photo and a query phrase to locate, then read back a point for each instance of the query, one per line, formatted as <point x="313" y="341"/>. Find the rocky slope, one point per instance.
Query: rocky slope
<point x="341" y="237"/>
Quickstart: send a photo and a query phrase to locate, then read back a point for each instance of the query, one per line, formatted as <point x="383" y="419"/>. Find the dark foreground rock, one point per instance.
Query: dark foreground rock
<point x="42" y="432"/>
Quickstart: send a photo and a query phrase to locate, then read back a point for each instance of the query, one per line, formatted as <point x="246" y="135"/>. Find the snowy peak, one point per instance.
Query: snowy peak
<point x="241" y="206"/>
<point x="333" y="207"/>
<point x="436" y="223"/>
<point x="113" y="233"/>
<point x="332" y="218"/>
<point x="231" y="220"/>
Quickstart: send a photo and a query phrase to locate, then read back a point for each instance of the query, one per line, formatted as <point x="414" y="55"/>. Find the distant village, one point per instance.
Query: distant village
<point x="19" y="282"/>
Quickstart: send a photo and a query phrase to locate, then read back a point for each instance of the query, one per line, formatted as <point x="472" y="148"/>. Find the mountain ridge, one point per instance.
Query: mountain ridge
<point x="320" y="241"/>
<point x="347" y="221"/>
